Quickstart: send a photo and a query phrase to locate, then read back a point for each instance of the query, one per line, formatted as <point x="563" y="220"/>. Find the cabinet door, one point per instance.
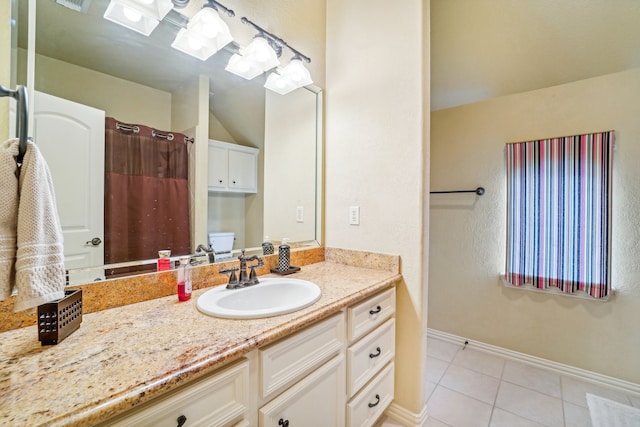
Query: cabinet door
<point x="242" y="171"/>
<point x="218" y="168"/>
<point x="318" y="400"/>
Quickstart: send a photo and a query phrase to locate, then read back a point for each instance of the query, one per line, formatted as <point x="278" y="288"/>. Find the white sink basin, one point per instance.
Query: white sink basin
<point x="270" y="297"/>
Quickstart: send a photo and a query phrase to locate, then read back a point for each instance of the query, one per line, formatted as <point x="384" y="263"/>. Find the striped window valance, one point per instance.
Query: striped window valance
<point x="559" y="213"/>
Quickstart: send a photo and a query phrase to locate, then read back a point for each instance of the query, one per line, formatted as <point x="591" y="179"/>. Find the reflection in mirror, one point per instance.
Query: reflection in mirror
<point x="82" y="58"/>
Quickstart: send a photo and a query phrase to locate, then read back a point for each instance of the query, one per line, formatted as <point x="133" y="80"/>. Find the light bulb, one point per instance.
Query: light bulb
<point x="145" y="1"/>
<point x="243" y="66"/>
<point x="210" y="26"/>
<point x="131" y="14"/>
<point x="194" y="42"/>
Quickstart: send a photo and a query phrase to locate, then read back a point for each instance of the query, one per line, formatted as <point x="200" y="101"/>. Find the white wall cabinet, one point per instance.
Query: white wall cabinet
<point x="232" y="168"/>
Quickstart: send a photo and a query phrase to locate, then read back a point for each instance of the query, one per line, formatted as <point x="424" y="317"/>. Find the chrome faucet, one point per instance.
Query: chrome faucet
<point x="208" y="251"/>
<point x="244" y="279"/>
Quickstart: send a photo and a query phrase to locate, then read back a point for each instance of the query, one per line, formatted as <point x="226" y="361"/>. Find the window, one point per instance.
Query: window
<point x="559" y="213"/>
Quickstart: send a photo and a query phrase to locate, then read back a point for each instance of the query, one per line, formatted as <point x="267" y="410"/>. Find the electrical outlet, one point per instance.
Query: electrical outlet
<point x="354" y="215"/>
<point x="300" y="214"/>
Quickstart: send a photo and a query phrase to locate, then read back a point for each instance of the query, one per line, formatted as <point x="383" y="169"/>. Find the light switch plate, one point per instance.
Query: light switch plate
<point x="354" y="215"/>
<point x="300" y="214"/>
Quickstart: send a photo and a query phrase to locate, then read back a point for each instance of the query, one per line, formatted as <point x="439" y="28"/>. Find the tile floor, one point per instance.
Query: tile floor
<point x="471" y="388"/>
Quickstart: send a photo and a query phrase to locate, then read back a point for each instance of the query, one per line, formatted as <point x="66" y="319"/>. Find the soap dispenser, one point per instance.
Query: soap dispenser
<point x="267" y="246"/>
<point x="284" y="256"/>
<point x="184" y="279"/>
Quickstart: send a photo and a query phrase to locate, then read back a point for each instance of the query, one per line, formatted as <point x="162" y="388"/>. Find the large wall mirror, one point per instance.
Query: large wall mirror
<point x="83" y="58"/>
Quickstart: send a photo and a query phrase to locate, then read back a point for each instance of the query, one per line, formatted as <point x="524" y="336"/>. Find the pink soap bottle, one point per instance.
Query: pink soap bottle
<point x="184" y="279"/>
<point x="164" y="262"/>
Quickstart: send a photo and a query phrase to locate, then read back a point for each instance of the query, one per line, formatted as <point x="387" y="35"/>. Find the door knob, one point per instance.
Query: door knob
<point x="94" y="242"/>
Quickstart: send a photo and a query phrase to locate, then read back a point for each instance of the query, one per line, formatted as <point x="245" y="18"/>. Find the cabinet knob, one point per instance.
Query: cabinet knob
<point x="371" y="405"/>
<point x="181" y="420"/>
<point x="374" y="355"/>
<point x="283" y="423"/>
<point x="376" y="311"/>
<point x="220" y="181"/>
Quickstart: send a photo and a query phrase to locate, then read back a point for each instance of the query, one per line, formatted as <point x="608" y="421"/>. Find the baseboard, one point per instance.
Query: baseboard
<point x="583" y="374"/>
<point x="405" y="417"/>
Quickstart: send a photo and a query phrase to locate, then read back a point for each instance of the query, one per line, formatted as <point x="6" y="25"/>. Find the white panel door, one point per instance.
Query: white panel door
<point x="71" y="139"/>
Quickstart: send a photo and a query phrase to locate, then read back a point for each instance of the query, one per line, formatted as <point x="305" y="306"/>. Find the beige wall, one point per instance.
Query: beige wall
<point x="376" y="107"/>
<point x="466" y="296"/>
<point x="126" y="101"/>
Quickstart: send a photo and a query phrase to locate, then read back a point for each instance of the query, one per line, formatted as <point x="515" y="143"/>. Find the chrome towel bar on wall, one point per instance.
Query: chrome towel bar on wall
<point x="479" y="191"/>
<point x="22" y="123"/>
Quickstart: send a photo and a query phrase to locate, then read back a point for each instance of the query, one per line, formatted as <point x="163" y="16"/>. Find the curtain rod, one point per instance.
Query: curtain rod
<point x="479" y="191"/>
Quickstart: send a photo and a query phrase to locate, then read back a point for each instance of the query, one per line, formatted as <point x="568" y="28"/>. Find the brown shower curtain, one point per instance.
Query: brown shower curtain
<point x="146" y="205"/>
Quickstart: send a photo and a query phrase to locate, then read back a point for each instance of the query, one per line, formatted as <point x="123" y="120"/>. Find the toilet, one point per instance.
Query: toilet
<point x="222" y="244"/>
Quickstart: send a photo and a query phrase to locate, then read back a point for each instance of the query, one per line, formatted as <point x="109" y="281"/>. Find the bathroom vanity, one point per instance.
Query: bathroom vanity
<point x="152" y="362"/>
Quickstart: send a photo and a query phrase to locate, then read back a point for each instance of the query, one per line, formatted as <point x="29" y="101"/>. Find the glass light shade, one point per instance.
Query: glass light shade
<point x="257" y="58"/>
<point x="205" y="34"/>
<point x="262" y="53"/>
<point x="243" y="66"/>
<point x="291" y="77"/>
<point x="298" y="73"/>
<point x="279" y="83"/>
<point x="141" y="16"/>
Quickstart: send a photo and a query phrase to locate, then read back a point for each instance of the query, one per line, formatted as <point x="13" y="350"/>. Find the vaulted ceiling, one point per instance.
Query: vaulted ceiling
<point x="481" y="49"/>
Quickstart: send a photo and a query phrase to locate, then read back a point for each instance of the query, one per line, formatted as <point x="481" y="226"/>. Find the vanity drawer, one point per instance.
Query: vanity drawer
<point x="370" y="313"/>
<point x="221" y="399"/>
<point x="366" y="357"/>
<point x="367" y="406"/>
<point x="287" y="361"/>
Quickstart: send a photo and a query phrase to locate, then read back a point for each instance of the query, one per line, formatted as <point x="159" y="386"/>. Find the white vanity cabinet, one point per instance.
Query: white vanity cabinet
<point x="220" y="399"/>
<point x="232" y="167"/>
<point x="370" y="355"/>
<point x="308" y="369"/>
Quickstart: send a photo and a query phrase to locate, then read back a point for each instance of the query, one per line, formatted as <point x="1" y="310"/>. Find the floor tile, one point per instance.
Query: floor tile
<point x="430" y="387"/>
<point x="458" y="410"/>
<point x="432" y="422"/>
<point x="575" y="391"/>
<point x="479" y="361"/>
<point x="532" y="377"/>
<point x="435" y="369"/>
<point x="576" y="415"/>
<point x="442" y="350"/>
<point x="501" y="418"/>
<point x="530" y="404"/>
<point x="471" y="383"/>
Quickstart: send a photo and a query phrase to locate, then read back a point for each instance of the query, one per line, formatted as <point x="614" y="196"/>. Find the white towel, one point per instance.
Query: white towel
<point x="8" y="216"/>
<point x="39" y="260"/>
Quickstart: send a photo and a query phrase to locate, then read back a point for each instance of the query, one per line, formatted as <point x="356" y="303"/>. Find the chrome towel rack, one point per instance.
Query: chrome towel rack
<point x="22" y="117"/>
<point x="479" y="191"/>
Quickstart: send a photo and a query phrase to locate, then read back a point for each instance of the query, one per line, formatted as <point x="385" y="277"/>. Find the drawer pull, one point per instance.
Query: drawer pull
<point x="376" y="311"/>
<point x="283" y="423"/>
<point x="181" y="420"/>
<point x="373" y="356"/>
<point x="371" y="405"/>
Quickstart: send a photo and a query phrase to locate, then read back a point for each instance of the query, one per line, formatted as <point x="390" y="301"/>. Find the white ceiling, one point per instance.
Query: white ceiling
<point x="481" y="49"/>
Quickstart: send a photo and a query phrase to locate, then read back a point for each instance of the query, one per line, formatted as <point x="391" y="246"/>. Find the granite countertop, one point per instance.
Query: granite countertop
<point x="125" y="356"/>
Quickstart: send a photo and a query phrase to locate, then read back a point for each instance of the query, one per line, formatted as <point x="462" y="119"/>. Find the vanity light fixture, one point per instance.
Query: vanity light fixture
<point x="293" y="76"/>
<point x="141" y="16"/>
<point x="255" y="59"/>
<point x="262" y="55"/>
<point x="206" y="32"/>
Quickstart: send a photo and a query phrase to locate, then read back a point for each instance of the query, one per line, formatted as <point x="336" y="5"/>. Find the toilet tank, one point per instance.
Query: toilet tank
<point x="221" y="242"/>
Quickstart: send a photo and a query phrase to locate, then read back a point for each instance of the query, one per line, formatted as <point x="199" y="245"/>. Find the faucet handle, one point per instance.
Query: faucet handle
<point x="233" y="279"/>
